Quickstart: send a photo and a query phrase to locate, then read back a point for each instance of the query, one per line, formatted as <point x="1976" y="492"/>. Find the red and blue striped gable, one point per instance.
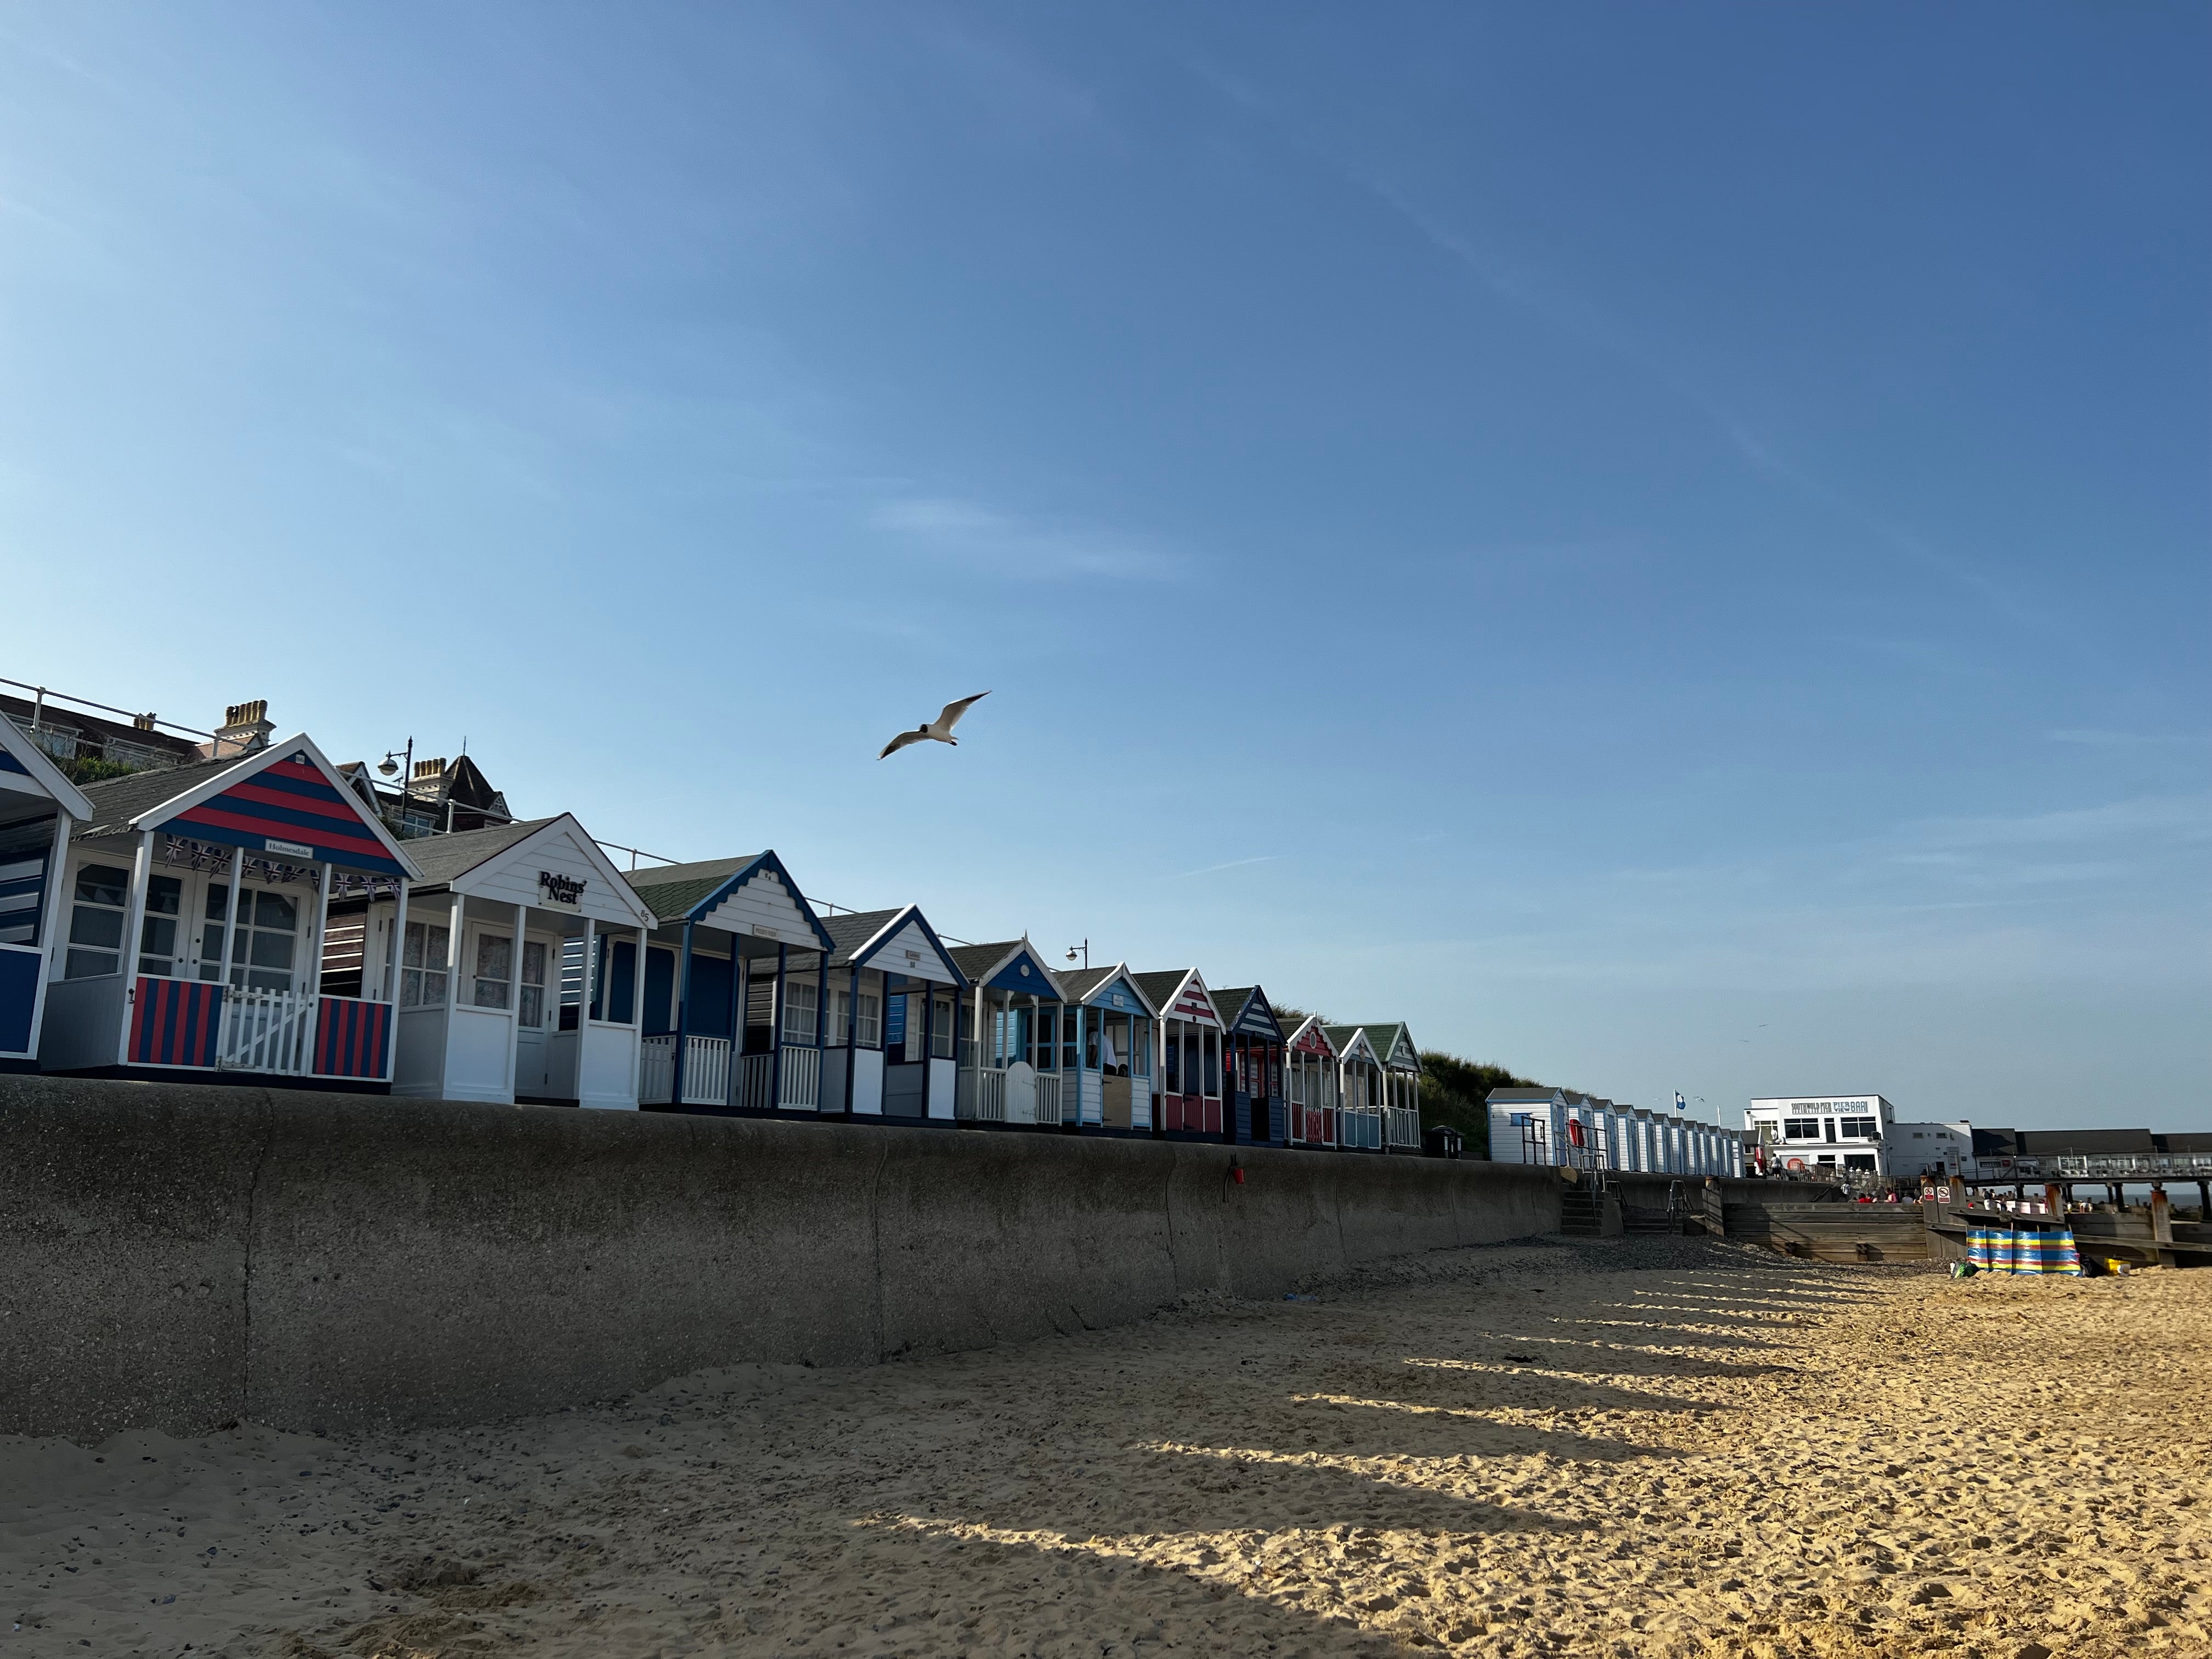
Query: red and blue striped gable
<point x="289" y="809"/>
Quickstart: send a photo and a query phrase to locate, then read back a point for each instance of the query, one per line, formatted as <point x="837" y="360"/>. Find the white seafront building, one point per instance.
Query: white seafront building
<point x="1859" y="1133"/>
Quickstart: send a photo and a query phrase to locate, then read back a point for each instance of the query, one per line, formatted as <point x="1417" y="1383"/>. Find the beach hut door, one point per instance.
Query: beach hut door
<point x="535" y="1008"/>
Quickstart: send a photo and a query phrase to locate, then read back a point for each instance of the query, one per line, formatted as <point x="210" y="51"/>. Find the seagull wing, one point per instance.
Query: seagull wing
<point x="951" y="716"/>
<point x="899" y="743"/>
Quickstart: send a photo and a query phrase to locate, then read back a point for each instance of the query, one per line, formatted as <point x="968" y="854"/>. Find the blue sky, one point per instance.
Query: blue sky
<point x="1665" y="545"/>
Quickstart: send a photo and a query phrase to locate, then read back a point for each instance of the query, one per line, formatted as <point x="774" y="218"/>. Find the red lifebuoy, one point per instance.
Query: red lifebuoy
<point x="1796" y="1164"/>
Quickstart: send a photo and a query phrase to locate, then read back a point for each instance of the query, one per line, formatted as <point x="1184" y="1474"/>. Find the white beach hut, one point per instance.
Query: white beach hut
<point x="505" y="955"/>
<point x="896" y="998"/>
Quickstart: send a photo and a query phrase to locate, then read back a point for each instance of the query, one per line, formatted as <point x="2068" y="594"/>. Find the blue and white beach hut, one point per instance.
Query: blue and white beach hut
<point x="1252" y="1067"/>
<point x="196" y="903"/>
<point x="1360" y="1091"/>
<point x="897" y="1000"/>
<point x="38" y="808"/>
<point x="731" y="997"/>
<point x="502" y="959"/>
<point x="1400" y="1062"/>
<point x="1009" y="1072"/>
<point x="1190" y="1103"/>
<point x="1106" y="1049"/>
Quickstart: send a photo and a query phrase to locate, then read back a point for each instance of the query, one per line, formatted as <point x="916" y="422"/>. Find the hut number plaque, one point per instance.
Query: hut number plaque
<point x="567" y="891"/>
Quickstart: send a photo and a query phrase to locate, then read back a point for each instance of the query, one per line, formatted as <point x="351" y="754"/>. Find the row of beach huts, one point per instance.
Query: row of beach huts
<point x="254" y="914"/>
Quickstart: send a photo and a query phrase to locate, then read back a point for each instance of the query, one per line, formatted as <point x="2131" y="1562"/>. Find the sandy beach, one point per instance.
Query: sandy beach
<point x="1619" y="1448"/>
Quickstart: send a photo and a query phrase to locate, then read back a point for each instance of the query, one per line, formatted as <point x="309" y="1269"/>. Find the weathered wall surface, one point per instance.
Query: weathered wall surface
<point x="176" y="1256"/>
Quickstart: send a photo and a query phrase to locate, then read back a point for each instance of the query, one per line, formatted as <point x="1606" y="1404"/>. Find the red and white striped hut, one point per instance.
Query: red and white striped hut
<point x="1190" y="1054"/>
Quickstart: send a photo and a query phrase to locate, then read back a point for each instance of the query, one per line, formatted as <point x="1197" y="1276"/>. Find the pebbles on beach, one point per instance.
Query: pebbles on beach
<point x="1630" y="1448"/>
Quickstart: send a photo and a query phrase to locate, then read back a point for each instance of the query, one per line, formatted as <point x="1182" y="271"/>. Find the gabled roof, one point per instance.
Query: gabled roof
<point x="996" y="965"/>
<point x="1238" y="1008"/>
<point x="1097" y="984"/>
<point x="21" y="756"/>
<point x="689" y="892"/>
<point x="1311" y="1026"/>
<point x="1165" y="988"/>
<point x="451" y="860"/>
<point x="444" y="858"/>
<point x="856" y="937"/>
<point x="116" y="801"/>
<point x="1345" y="1039"/>
<point x="1521" y="1097"/>
<point x="286" y="800"/>
<point x="1384" y="1036"/>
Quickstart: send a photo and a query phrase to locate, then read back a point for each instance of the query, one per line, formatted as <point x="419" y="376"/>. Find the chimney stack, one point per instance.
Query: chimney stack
<point x="245" y="729"/>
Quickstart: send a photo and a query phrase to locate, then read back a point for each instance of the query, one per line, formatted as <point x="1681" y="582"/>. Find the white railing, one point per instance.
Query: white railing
<point x="986" y="1096"/>
<point x="706" y="1070"/>
<point x="267" y="1031"/>
<point x="1048" y="1098"/>
<point x="1404" y="1126"/>
<point x="802" y="1080"/>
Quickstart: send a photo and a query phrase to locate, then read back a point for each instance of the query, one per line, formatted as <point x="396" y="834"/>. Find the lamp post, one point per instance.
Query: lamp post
<point x="403" y="762"/>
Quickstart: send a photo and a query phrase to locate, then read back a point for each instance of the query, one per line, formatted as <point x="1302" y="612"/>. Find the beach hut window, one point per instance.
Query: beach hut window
<point x="495" y="966"/>
<point x="421" y="964"/>
<point x="22" y="882"/>
<point x="1170" y="1069"/>
<point x="800" y="1002"/>
<point x="261" y="951"/>
<point x="1212" y="1073"/>
<point x="940" y="1041"/>
<point x="157" y="936"/>
<point x="870" y="1022"/>
<point x="96" y="921"/>
<point x="533" y="984"/>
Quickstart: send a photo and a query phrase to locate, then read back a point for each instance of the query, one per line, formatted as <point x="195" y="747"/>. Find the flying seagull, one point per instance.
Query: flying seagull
<point x="939" y="730"/>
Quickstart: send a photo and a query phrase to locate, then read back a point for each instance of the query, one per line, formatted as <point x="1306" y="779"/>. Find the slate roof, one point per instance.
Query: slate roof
<point x="1383" y="1037"/>
<point x="670" y="890"/>
<point x="1520" y="1097"/>
<point x="976" y="960"/>
<point x="1339" y="1038"/>
<point x="443" y="858"/>
<point x="849" y="932"/>
<point x="116" y="801"/>
<point x="1160" y="987"/>
<point x="1080" y="982"/>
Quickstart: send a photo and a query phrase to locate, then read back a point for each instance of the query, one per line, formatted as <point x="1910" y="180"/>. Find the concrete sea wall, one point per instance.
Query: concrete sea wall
<point x="178" y="1256"/>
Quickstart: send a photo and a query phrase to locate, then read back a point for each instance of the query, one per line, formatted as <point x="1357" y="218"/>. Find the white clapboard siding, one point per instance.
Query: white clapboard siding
<point x="909" y="952"/>
<point x="560" y="848"/>
<point x="764" y="907"/>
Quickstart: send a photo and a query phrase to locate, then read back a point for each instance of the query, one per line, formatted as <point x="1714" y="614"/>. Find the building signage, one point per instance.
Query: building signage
<point x="269" y="843"/>
<point x="566" y="891"/>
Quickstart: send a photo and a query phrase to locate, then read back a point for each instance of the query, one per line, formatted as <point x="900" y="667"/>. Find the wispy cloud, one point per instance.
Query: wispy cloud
<point x="1004" y="544"/>
<point x="2156" y="818"/>
<point x="2092" y="739"/>
<point x="1233" y="863"/>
